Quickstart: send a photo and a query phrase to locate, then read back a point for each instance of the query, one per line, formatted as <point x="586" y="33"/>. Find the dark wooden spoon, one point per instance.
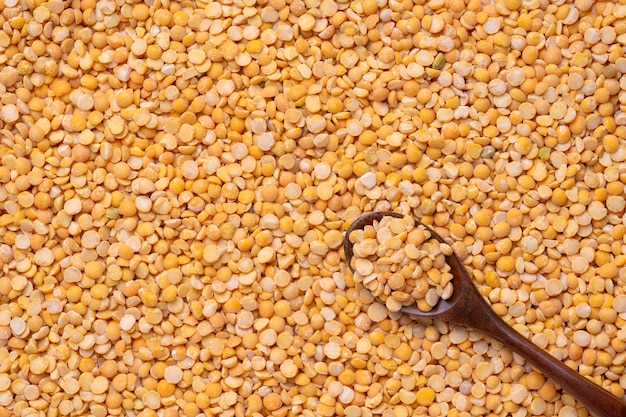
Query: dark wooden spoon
<point x="466" y="307"/>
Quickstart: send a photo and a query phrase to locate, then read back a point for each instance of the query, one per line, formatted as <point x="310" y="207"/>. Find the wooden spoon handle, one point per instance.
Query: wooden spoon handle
<point x="598" y="401"/>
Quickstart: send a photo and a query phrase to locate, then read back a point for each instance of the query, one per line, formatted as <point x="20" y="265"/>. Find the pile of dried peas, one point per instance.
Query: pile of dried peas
<point x="401" y="263"/>
<point x="176" y="179"/>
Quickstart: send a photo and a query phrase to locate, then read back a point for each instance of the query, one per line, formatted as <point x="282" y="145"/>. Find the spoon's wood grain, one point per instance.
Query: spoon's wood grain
<point x="466" y="307"/>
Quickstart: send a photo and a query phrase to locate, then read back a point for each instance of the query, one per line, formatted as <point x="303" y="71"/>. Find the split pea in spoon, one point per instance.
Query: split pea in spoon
<point x="466" y="307"/>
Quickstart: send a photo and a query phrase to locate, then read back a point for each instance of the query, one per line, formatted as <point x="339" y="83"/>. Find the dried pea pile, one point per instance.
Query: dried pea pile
<point x="401" y="263"/>
<point x="176" y="179"/>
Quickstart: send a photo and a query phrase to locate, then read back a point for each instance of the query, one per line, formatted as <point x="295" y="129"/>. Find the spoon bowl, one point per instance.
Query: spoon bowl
<point x="466" y="307"/>
<point x="464" y="289"/>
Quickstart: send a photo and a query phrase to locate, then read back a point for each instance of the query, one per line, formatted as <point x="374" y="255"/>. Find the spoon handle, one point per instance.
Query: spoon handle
<point x="598" y="401"/>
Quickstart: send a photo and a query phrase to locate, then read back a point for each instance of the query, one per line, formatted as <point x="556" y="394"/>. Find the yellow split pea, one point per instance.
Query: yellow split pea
<point x="176" y="179"/>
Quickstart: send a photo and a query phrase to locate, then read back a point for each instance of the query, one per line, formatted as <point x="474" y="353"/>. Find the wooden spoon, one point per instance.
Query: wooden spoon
<point x="466" y="307"/>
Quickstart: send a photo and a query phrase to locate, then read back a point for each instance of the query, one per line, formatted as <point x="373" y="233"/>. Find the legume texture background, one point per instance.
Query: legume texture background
<point x="176" y="179"/>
